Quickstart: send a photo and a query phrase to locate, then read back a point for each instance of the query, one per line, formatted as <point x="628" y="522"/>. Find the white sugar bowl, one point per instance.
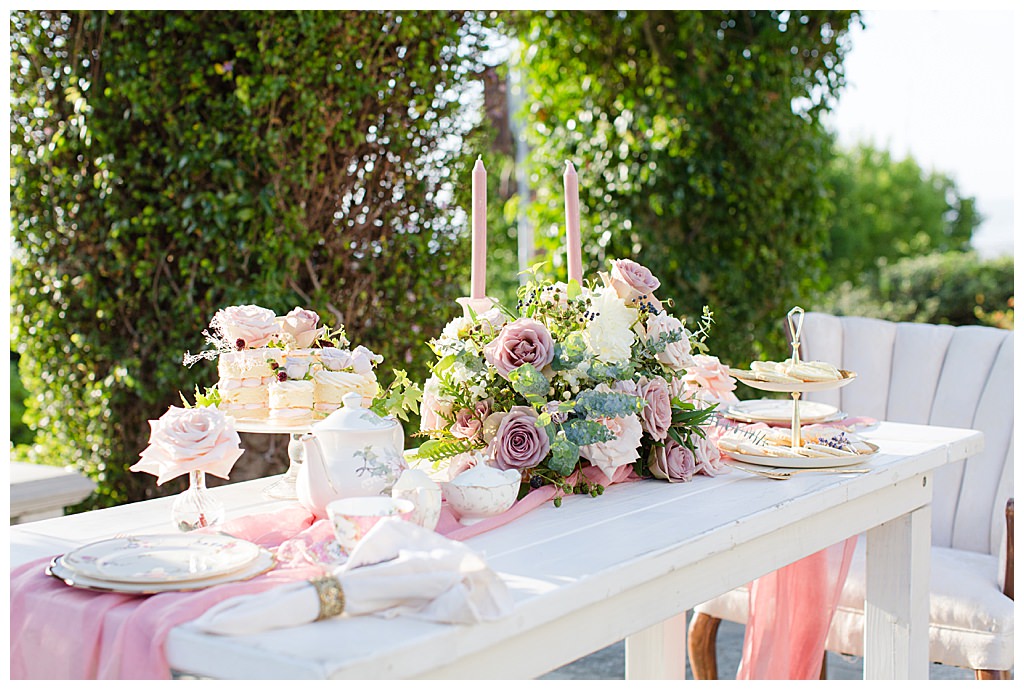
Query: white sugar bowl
<point x="481" y="492"/>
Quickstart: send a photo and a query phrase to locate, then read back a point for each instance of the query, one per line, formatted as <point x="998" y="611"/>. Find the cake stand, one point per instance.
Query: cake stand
<point x="796" y="323"/>
<point x="284" y="487"/>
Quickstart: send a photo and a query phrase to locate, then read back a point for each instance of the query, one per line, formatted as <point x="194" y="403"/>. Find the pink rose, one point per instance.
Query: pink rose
<point x="676" y="356"/>
<point x="657" y="413"/>
<point x="621" y="450"/>
<point x="334" y="358"/>
<point x="631" y="280"/>
<point x="182" y="440"/>
<point x="464" y="461"/>
<point x="492" y="320"/>
<point x="709" y="379"/>
<point x="524" y="341"/>
<point x="707" y="456"/>
<point x="519" y="443"/>
<point x="301" y="325"/>
<point x="673" y="462"/>
<point x="246" y="326"/>
<point x="434" y="411"/>
<point x="467" y="424"/>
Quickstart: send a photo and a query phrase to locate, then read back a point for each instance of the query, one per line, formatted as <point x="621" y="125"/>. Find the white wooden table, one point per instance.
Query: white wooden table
<point x="628" y="564"/>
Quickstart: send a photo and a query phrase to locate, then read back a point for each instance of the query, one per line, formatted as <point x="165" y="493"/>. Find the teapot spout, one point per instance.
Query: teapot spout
<point x="312" y="479"/>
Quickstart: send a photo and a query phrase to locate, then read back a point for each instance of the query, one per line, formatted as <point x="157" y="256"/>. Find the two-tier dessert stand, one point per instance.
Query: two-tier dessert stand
<point x="796" y="389"/>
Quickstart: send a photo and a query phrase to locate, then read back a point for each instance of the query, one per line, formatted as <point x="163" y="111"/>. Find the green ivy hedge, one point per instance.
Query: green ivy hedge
<point x="958" y="288"/>
<point x="700" y="150"/>
<point x="168" y="164"/>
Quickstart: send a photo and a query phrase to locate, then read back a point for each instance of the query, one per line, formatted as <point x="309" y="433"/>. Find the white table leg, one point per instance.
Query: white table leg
<point x="896" y="609"/>
<point x="659" y="652"/>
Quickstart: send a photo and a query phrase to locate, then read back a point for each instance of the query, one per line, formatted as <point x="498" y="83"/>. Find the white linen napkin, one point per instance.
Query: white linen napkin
<point x="397" y="569"/>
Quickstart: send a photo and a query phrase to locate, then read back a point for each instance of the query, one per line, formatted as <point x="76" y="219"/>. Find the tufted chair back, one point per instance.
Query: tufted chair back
<point x="953" y="376"/>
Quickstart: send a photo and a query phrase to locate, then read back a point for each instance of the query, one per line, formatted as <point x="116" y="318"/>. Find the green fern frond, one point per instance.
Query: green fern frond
<point x="436" y="450"/>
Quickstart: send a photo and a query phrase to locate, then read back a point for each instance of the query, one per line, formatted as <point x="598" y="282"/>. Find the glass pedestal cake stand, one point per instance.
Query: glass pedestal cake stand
<point x="284" y="487"/>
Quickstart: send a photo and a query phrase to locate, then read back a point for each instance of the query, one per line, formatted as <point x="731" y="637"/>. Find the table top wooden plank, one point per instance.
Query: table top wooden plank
<point x="555" y="560"/>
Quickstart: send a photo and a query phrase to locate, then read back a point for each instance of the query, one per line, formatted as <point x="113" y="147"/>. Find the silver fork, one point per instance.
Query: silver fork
<point x="789" y="472"/>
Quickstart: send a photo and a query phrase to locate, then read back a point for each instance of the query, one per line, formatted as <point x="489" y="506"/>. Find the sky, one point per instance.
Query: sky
<point x="939" y="85"/>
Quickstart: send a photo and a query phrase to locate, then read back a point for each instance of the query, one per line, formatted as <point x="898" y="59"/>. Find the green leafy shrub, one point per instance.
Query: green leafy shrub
<point x="957" y="288"/>
<point x="700" y="151"/>
<point x="20" y="433"/>
<point x="890" y="209"/>
<point x="168" y="164"/>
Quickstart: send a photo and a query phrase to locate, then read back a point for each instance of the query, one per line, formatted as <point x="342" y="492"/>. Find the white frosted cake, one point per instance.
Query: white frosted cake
<point x="244" y="379"/>
<point x="331" y="386"/>
<point x="291" y="401"/>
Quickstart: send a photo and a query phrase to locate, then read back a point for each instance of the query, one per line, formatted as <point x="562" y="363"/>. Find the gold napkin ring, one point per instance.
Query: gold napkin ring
<point x="332" y="598"/>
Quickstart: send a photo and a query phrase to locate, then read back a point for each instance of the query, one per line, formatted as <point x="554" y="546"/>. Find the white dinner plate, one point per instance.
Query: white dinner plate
<point x="263" y="562"/>
<point x="781" y="412"/>
<point x="798" y="462"/>
<point x="799" y="387"/>
<point x="161" y="558"/>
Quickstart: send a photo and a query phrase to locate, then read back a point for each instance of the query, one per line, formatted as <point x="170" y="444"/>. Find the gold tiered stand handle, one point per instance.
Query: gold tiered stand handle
<point x="796" y="325"/>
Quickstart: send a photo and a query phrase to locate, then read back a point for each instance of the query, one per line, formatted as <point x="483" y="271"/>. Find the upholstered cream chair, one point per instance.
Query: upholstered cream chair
<point x="943" y="376"/>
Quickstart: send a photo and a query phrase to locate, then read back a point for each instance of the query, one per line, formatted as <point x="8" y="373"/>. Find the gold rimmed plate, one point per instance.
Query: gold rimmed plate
<point x="264" y="562"/>
<point x="780" y="412"/>
<point x="159" y="558"/>
<point x="797" y="386"/>
<point x="797" y="462"/>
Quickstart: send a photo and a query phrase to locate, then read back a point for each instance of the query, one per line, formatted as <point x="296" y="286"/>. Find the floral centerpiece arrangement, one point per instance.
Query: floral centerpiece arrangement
<point x="598" y="375"/>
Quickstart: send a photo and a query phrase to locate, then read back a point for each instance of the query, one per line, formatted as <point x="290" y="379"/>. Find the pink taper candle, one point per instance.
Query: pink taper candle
<point x="574" y="248"/>
<point x="478" y="286"/>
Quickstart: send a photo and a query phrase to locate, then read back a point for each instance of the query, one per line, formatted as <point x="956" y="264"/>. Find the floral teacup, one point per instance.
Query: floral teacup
<point x="352" y="518"/>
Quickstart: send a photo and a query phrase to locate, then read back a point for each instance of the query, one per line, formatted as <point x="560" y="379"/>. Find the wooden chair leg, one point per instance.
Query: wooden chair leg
<point x="824" y="667"/>
<point x="982" y="674"/>
<point x="701" y="642"/>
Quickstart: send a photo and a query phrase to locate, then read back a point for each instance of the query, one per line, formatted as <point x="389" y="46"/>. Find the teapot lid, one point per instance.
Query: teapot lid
<point x="353" y="417"/>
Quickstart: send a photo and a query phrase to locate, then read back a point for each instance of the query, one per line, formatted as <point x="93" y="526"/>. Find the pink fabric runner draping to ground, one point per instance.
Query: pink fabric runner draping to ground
<point x="61" y="632"/>
<point x="791" y="609"/>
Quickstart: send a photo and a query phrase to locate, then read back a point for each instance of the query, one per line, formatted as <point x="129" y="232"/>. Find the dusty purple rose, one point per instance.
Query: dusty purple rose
<point x="524" y="341"/>
<point x="631" y="280"/>
<point x="673" y="462"/>
<point x="519" y="443"/>
<point x="467" y="424"/>
<point x="657" y="413"/>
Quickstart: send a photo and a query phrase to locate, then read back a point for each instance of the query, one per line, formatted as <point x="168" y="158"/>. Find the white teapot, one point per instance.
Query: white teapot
<point x="353" y="452"/>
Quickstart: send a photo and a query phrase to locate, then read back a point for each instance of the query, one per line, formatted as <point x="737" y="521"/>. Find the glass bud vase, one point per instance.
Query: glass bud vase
<point x="196" y="507"/>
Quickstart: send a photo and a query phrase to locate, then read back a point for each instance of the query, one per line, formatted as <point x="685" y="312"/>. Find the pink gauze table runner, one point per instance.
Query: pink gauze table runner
<point x="60" y="632"/>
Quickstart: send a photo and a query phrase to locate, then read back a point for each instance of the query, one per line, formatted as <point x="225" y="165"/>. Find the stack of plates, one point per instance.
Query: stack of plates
<point x="153" y="563"/>
<point x="780" y="412"/>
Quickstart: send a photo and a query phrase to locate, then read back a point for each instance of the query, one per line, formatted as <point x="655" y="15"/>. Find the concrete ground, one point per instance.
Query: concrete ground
<point x="609" y="663"/>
